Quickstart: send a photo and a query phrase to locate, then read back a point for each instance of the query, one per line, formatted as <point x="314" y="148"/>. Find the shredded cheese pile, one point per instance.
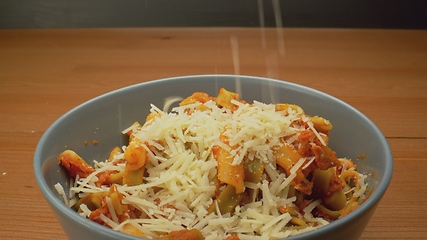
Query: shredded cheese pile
<point x="181" y="169"/>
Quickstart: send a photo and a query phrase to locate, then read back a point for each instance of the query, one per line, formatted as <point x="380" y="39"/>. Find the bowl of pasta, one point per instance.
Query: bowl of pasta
<point x="213" y="157"/>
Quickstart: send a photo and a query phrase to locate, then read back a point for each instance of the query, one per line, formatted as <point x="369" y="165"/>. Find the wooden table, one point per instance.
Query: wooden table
<point x="45" y="73"/>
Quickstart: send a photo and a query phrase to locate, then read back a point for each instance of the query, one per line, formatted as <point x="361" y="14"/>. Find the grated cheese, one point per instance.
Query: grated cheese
<point x="186" y="176"/>
<point x="108" y="221"/>
<point x="182" y="169"/>
<point x="311" y="126"/>
<point x="60" y="190"/>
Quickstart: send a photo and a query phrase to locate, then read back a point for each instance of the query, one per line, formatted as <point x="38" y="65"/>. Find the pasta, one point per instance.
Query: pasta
<point x="218" y="168"/>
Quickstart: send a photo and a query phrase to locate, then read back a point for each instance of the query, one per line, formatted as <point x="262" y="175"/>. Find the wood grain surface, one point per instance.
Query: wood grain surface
<point x="45" y="73"/>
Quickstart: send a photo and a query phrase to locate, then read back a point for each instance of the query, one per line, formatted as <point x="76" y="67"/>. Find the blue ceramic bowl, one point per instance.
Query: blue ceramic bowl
<point x="104" y="117"/>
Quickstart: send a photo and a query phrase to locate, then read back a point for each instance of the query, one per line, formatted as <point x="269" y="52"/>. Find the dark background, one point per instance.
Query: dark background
<point x="397" y="14"/>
